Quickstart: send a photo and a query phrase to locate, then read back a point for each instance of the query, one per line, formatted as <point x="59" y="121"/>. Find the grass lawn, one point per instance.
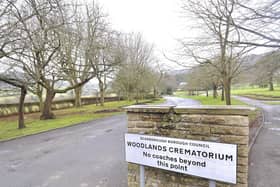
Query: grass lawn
<point x="64" y="117"/>
<point x="211" y="101"/>
<point x="257" y="91"/>
<point x="208" y="100"/>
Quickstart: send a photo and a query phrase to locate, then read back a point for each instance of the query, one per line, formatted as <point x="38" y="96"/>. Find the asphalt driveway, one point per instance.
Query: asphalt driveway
<point x="86" y="155"/>
<point x="264" y="168"/>
<point x="92" y="154"/>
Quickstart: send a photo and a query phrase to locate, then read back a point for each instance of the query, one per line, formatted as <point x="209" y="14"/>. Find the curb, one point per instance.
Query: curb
<point x="258" y="132"/>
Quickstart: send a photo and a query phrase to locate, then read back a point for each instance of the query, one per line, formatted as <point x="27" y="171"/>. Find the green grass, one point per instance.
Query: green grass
<point x="211" y="101"/>
<point x="208" y="100"/>
<point x="8" y="130"/>
<point x="157" y="101"/>
<point x="257" y="91"/>
<point x="65" y="117"/>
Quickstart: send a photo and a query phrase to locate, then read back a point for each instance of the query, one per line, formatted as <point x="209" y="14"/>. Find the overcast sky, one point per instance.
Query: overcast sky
<point x="159" y="21"/>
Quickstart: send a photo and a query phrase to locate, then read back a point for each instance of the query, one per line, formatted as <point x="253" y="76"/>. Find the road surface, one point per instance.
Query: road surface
<point x="264" y="169"/>
<point x="86" y="155"/>
<point x="170" y="100"/>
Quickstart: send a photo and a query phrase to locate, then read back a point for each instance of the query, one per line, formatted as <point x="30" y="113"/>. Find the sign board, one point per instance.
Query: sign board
<point x="216" y="161"/>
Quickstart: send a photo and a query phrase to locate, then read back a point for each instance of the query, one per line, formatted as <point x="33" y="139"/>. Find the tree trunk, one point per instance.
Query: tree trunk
<point x="227" y="87"/>
<point x="137" y="96"/>
<point x="223" y="94"/>
<point x="102" y="97"/>
<point x="78" y="95"/>
<point x="207" y="93"/>
<point x="128" y="96"/>
<point x="101" y="91"/>
<point x="119" y="96"/>
<point x="23" y="92"/>
<point x="271" y="87"/>
<point x="39" y="93"/>
<point x="47" y="109"/>
<point x="215" y="93"/>
<point x="155" y="92"/>
<point x="41" y="102"/>
<point x="96" y="98"/>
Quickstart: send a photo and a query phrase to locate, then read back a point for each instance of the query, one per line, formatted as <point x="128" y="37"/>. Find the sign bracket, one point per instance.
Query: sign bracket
<point x="142" y="176"/>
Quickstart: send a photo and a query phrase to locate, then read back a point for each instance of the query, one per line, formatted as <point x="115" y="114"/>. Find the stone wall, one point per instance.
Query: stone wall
<point x="9" y="109"/>
<point x="221" y="124"/>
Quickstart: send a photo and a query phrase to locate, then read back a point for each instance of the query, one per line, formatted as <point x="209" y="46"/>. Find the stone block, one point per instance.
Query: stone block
<point x="220" y="184"/>
<point x="233" y="139"/>
<point x="162" y="132"/>
<point x="134" y="117"/>
<point x="200" y="129"/>
<point x="184" y="126"/>
<point x="156" y="117"/>
<point x="243" y="150"/>
<point x="166" y="125"/>
<point x="178" y="134"/>
<point x="141" y="130"/>
<point x="225" y="120"/>
<point x="242" y="169"/>
<point x="242" y="178"/>
<point x="145" y="124"/>
<point x="242" y="161"/>
<point x="131" y="124"/>
<point x="229" y="130"/>
<point x="241" y="185"/>
<point x="192" y="118"/>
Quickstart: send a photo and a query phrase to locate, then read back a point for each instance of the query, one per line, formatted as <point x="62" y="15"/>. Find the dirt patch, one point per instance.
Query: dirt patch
<point x="107" y="111"/>
<point x="14" y="117"/>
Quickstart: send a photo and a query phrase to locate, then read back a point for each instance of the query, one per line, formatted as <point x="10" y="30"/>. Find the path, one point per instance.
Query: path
<point x="170" y="100"/>
<point x="264" y="169"/>
<point x="86" y="155"/>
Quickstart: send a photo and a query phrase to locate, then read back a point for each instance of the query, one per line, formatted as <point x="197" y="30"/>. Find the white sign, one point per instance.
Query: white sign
<point x="210" y="160"/>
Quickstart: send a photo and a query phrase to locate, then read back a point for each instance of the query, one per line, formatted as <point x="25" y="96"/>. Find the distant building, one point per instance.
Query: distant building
<point x="182" y="86"/>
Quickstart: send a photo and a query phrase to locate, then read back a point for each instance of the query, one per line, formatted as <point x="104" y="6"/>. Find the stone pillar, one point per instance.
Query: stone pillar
<point x="225" y="124"/>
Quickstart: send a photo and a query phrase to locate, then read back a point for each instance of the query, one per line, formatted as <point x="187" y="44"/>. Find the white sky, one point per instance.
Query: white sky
<point x="158" y="20"/>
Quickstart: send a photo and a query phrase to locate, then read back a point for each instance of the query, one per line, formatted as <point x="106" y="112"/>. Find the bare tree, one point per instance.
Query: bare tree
<point x="106" y="62"/>
<point x="21" y="83"/>
<point x="8" y="37"/>
<point x="136" y="58"/>
<point x="41" y="40"/>
<point x="7" y="26"/>
<point x="213" y="45"/>
<point x="72" y="52"/>
<point x="268" y="68"/>
<point x="100" y="46"/>
<point x="204" y="78"/>
<point x="258" y="23"/>
<point x="157" y="77"/>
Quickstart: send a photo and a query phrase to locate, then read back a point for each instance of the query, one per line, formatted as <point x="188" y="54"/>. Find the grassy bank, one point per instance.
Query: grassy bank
<point x="258" y="93"/>
<point x="208" y="100"/>
<point x="65" y="117"/>
<point x="211" y="101"/>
